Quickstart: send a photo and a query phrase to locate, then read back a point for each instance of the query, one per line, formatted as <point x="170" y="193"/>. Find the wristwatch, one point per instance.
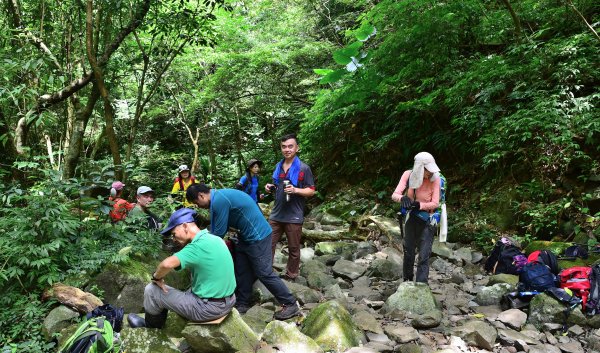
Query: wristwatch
<point x="156" y="279"/>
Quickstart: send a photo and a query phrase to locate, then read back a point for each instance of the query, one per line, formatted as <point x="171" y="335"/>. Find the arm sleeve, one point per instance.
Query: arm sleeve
<point x="219" y="220"/>
<point x="435" y="198"/>
<point x="243" y="179"/>
<point x="309" y="179"/>
<point x="397" y="195"/>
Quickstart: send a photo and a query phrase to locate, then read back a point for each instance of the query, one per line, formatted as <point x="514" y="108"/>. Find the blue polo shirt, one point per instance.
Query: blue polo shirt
<point x="236" y="209"/>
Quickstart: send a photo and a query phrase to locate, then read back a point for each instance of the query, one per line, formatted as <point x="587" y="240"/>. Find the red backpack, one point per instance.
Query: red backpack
<point x="577" y="279"/>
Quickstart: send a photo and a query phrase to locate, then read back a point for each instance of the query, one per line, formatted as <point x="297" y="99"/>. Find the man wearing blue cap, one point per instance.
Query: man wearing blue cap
<point x="213" y="279"/>
<point x="236" y="209"/>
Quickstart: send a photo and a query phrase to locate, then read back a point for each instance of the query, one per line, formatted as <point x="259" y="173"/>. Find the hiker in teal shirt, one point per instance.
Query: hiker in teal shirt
<point x="235" y="209"/>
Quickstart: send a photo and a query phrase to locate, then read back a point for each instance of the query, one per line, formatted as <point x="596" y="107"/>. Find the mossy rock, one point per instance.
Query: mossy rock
<point x="558" y="248"/>
<point x="331" y="326"/>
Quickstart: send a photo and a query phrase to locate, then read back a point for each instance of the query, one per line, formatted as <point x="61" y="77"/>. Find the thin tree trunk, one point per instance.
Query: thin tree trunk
<point x="76" y="141"/>
<point x="99" y="77"/>
<point x="515" y="18"/>
<point x="50" y="152"/>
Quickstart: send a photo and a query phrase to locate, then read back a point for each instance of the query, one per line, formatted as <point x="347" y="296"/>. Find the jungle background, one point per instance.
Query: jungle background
<point x="504" y="94"/>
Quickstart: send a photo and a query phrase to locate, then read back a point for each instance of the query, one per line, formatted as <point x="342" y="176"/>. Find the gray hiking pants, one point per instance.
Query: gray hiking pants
<point x="417" y="234"/>
<point x="186" y="304"/>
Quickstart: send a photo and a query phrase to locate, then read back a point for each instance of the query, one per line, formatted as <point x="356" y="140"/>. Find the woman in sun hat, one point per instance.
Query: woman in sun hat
<point x="419" y="194"/>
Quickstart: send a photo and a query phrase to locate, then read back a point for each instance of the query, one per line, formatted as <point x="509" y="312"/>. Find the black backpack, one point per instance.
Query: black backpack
<point x="548" y="258"/>
<point x="111" y="314"/>
<point x="505" y="258"/>
<point x="577" y="251"/>
<point x="592" y="306"/>
<point x="536" y="276"/>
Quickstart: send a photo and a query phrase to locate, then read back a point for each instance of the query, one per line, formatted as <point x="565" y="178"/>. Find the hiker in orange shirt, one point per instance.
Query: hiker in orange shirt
<point x="120" y="206"/>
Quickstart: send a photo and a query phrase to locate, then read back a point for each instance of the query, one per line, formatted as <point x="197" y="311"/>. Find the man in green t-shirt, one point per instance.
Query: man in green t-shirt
<point x="213" y="280"/>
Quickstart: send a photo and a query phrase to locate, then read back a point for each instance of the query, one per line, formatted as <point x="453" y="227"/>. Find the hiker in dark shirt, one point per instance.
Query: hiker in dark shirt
<point x="292" y="183"/>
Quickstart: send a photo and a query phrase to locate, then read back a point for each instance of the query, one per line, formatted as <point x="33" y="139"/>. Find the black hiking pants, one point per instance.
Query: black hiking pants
<point x="417" y="235"/>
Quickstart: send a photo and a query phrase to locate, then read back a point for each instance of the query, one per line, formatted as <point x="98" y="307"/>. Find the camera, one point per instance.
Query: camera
<point x="272" y="188"/>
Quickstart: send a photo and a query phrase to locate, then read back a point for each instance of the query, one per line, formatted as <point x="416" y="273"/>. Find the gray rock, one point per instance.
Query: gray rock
<point x="288" y="339"/>
<point x="332" y="220"/>
<point x="331" y="326"/>
<point x="503" y="278"/>
<point x="509" y="337"/>
<point x="401" y="334"/>
<point x="304" y="294"/>
<point x="412" y="297"/>
<point x="442" y="250"/>
<point x="257" y="318"/>
<point x="441" y="265"/>
<point x="571" y="347"/>
<point x="231" y="335"/>
<point x="348" y="269"/>
<point x="384" y="269"/>
<point x="334" y="247"/>
<point x="366" y="322"/>
<point x="544" y="348"/>
<point x="393" y="255"/>
<point x="428" y="320"/>
<point x="514" y="318"/>
<point x="492" y="295"/>
<point x="306" y="254"/>
<point x="477" y="333"/>
<point x="363" y="249"/>
<point x="58" y="319"/>
<point x="464" y="254"/>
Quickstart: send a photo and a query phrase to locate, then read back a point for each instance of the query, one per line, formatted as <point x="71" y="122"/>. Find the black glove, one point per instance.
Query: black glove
<point x="416" y="205"/>
<point x="406" y="202"/>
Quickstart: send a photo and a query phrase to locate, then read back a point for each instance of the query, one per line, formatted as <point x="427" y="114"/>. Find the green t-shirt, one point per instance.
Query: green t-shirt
<point x="209" y="260"/>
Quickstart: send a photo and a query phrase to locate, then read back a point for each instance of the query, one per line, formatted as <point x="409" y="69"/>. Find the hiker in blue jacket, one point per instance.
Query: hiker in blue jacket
<point x="249" y="182"/>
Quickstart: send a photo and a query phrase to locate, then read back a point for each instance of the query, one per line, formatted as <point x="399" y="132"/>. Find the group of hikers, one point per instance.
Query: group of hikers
<point x="223" y="276"/>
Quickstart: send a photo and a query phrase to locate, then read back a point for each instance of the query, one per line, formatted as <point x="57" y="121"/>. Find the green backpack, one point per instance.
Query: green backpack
<point x="93" y="336"/>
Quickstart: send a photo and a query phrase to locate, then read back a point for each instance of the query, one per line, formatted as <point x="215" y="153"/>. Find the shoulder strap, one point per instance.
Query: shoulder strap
<point x="180" y="184"/>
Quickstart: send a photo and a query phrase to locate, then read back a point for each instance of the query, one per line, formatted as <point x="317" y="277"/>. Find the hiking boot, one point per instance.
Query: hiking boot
<point x="287" y="312"/>
<point x="135" y="321"/>
<point x="242" y="309"/>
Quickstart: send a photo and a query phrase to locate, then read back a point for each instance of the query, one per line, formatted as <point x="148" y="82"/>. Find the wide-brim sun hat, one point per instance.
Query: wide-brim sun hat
<point x="182" y="215"/>
<point x="253" y="162"/>
<point x="423" y="160"/>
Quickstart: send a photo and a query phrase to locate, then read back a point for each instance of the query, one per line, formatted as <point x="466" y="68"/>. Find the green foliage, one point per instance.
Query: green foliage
<point x="47" y="233"/>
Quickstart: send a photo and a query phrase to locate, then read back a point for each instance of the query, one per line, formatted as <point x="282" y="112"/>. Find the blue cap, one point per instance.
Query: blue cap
<point x="182" y="215"/>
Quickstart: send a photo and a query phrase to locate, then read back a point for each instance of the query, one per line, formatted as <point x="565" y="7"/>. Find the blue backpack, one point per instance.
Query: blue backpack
<point x="536" y="276"/>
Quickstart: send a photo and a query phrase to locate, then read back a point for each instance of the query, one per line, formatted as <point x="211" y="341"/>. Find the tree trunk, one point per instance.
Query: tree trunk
<point x="76" y="141"/>
<point x="99" y="77"/>
<point x="515" y="18"/>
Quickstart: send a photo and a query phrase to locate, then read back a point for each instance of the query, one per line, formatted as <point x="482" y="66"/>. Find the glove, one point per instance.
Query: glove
<point x="405" y="202"/>
<point x="416" y="205"/>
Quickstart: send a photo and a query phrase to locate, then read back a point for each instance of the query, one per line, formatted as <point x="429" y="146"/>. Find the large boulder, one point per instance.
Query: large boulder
<point x="258" y="317"/>
<point x="58" y="319"/>
<point x="545" y="309"/>
<point x="411" y="297"/>
<point x="288" y="339"/>
<point x="316" y="274"/>
<point x="73" y="297"/>
<point x="147" y="340"/>
<point x="231" y="335"/>
<point x="331" y="326"/>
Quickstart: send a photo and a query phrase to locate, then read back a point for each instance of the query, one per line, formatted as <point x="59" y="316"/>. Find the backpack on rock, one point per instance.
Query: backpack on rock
<point x="577" y="279"/>
<point x="546" y="257"/>
<point x="505" y="258"/>
<point x="536" y="276"/>
<point x="95" y="335"/>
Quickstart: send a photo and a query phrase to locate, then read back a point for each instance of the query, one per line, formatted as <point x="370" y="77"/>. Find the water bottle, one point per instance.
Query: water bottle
<point x="286" y="183"/>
